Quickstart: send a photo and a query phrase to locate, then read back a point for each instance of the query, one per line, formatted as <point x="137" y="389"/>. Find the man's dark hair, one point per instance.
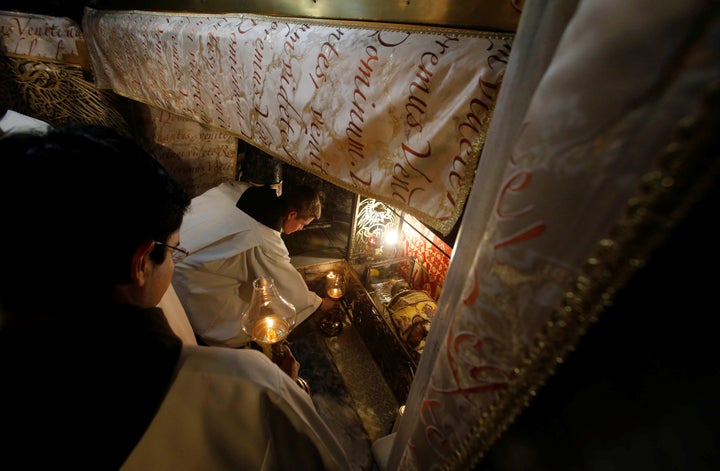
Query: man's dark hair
<point x="264" y="205"/>
<point x="304" y="199"/>
<point x="76" y="203"/>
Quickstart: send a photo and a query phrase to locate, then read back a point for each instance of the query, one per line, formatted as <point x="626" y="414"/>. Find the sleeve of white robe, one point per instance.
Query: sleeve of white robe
<point x="272" y="259"/>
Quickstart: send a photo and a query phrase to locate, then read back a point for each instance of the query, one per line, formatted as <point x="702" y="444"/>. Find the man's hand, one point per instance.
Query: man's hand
<point x="328" y="304"/>
<point x="283" y="357"/>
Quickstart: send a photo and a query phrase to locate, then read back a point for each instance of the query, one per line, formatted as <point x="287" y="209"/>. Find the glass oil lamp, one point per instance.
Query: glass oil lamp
<point x="269" y="318"/>
<point x="334" y="285"/>
<point x="331" y="323"/>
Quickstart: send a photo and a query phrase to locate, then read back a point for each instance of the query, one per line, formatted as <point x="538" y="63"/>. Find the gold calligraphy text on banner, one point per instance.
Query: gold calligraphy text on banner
<point x="395" y="114"/>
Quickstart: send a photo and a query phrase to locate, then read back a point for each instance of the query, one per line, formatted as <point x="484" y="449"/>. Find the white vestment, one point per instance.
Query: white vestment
<point x="228" y="250"/>
<point x="13" y="122"/>
<point x="230" y="409"/>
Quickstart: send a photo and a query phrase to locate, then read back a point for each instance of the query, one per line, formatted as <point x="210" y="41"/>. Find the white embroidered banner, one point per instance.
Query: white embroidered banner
<point x="200" y="158"/>
<point x="395" y="114"/>
<point x="42" y="37"/>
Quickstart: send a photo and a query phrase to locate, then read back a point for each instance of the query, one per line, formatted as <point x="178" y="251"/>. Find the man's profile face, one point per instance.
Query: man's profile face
<point x="293" y="223"/>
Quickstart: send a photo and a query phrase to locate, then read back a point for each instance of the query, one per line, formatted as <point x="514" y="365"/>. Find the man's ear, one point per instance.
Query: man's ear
<point x="292" y="214"/>
<point x="139" y="262"/>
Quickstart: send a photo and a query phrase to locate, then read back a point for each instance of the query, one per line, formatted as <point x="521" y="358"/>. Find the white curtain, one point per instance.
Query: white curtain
<point x="582" y="146"/>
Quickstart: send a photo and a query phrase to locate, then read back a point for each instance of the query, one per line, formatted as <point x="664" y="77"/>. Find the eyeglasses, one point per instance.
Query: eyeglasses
<point x="178" y="253"/>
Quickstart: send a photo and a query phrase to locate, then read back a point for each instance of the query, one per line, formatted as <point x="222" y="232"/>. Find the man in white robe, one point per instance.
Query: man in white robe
<point x="228" y="250"/>
<point x="94" y="376"/>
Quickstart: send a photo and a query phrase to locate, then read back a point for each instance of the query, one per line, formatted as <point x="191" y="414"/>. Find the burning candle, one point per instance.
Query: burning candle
<point x="270" y="329"/>
<point x="334" y="285"/>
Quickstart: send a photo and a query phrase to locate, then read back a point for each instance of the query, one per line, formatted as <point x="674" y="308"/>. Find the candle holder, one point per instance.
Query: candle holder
<point x="331" y="323"/>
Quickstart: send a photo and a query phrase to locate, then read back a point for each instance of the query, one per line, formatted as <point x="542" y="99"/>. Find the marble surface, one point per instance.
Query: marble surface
<point x="348" y="388"/>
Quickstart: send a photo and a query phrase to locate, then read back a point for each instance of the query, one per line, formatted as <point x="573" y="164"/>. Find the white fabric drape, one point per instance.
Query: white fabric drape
<point x="593" y="94"/>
